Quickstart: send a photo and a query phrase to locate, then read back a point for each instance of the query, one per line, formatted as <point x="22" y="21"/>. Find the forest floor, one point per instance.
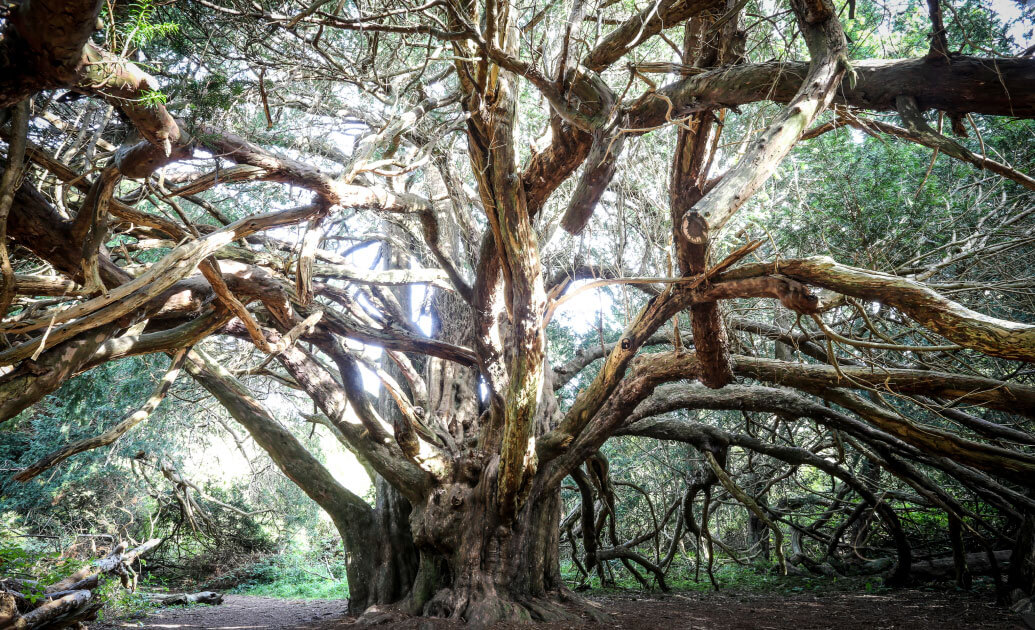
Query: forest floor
<point x="728" y="610"/>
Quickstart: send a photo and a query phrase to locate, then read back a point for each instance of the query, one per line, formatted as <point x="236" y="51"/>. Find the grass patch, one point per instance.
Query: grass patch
<point x="287" y="588"/>
<point x="294" y="576"/>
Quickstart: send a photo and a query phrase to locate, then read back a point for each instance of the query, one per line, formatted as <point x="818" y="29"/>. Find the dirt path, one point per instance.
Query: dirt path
<point x="240" y="612"/>
<point x="904" y="609"/>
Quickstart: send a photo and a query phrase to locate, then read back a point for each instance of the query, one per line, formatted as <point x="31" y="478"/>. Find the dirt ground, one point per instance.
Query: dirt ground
<point x="906" y="609"/>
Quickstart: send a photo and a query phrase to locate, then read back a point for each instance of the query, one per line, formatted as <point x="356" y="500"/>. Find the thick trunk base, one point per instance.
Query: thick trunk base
<point x="484" y="607"/>
<point x="481" y="570"/>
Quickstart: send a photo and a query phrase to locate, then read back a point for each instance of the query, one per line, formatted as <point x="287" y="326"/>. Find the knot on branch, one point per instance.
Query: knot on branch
<point x="796" y="296"/>
<point x="588" y="94"/>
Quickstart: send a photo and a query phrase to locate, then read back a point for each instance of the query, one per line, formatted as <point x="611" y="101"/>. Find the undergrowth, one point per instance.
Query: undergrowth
<point x="730" y="576"/>
<point x="295" y="575"/>
<point x="41" y="562"/>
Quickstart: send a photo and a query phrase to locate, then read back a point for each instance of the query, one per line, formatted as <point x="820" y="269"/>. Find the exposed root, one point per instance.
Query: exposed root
<point x="484" y="608"/>
<point x="590" y="608"/>
<point x="379" y="615"/>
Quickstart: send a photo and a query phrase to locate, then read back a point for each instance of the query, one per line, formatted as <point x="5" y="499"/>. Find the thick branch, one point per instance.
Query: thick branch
<point x="998" y="87"/>
<point x="286" y="451"/>
<point x="42" y="45"/>
<point x="827" y="47"/>
<point x="969" y="390"/>
<point x="641" y="27"/>
<point x="129" y="421"/>
<point x="917" y="130"/>
<point x="955" y="322"/>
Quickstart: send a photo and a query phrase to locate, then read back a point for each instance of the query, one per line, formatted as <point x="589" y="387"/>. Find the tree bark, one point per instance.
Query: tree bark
<point x="962" y="85"/>
<point x="1022" y="559"/>
<point x="42" y="45"/>
<point x="495" y="569"/>
<point x="352" y="517"/>
<point x="696" y="142"/>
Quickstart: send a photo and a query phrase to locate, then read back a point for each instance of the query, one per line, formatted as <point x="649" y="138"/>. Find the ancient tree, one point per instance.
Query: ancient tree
<point x="490" y="137"/>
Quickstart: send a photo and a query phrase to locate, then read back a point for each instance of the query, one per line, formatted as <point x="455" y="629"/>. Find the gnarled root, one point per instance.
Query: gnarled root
<point x="482" y="606"/>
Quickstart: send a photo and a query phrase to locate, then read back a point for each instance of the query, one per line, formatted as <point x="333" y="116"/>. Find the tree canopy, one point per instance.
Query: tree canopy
<point x="477" y="242"/>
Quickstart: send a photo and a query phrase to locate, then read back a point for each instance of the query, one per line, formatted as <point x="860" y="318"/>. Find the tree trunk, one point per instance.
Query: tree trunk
<point x="397" y="560"/>
<point x="474" y="567"/>
<point x="352" y="517"/>
<point x="382" y="561"/>
<point x="453" y="554"/>
<point x="1022" y="560"/>
<point x="492" y="570"/>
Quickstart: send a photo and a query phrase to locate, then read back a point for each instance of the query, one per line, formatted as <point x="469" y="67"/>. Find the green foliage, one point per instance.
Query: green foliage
<point x="211" y="94"/>
<point x="140" y="27"/>
<point x="120" y="603"/>
<point x="153" y="98"/>
<point x="27" y="557"/>
<point x="114" y="494"/>
<point x="86" y="488"/>
<point x="295" y="574"/>
<point x="753" y="578"/>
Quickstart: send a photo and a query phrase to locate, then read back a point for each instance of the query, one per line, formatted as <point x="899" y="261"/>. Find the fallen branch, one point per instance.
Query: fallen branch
<point x="182" y="599"/>
<point x="73" y="599"/>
